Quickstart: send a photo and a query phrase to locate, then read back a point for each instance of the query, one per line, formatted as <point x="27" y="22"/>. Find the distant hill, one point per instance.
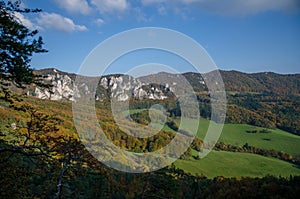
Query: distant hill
<point x="234" y="81"/>
<point x="262" y="99"/>
<point x="266" y="82"/>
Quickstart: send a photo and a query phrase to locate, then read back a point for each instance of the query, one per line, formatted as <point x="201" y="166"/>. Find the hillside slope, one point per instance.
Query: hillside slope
<point x="261" y="99"/>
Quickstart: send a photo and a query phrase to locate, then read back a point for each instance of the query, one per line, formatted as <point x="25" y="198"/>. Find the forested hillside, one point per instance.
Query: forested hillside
<point x="40" y="149"/>
<point x="267" y="99"/>
<point x="262" y="99"/>
<point x="265" y="82"/>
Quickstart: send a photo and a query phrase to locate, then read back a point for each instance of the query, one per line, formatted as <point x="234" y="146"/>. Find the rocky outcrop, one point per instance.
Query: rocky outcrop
<point x="62" y="88"/>
<point x="119" y="87"/>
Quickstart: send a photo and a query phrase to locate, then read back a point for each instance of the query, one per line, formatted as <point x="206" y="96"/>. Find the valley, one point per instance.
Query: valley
<point x="251" y="144"/>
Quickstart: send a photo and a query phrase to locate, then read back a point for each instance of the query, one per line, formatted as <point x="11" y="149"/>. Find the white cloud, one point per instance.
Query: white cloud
<point x="58" y="22"/>
<point x="79" y="6"/>
<point x="110" y="5"/>
<point x="26" y="22"/>
<point x="99" y="22"/>
<point x="231" y="7"/>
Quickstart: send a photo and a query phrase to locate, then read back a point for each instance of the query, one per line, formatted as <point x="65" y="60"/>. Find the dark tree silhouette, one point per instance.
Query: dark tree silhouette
<point x="18" y="44"/>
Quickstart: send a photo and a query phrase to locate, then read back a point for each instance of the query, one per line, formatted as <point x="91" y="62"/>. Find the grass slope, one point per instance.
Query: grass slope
<point x="229" y="164"/>
<point x="235" y="134"/>
<point x="279" y="140"/>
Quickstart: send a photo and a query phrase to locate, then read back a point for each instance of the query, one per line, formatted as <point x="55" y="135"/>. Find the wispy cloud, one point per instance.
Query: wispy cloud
<point x="75" y="6"/>
<point x="242" y="7"/>
<point x="230" y="7"/>
<point x="25" y="21"/>
<point x="110" y="5"/>
<point x="58" y="22"/>
<point x="140" y="15"/>
<point x="162" y="10"/>
<point x="99" y="22"/>
<point x="148" y="2"/>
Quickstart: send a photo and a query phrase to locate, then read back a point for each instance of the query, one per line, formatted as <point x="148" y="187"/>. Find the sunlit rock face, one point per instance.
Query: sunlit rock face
<point x="118" y="87"/>
<point x="62" y="88"/>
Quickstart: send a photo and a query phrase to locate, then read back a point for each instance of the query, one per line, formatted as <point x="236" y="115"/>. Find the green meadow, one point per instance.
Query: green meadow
<point x="234" y="164"/>
<point x="236" y="134"/>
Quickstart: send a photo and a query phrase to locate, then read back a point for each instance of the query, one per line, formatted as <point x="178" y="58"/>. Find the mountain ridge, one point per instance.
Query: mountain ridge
<point x="126" y="86"/>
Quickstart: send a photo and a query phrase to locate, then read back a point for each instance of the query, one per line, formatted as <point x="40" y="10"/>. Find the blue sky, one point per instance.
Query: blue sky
<point x="250" y="36"/>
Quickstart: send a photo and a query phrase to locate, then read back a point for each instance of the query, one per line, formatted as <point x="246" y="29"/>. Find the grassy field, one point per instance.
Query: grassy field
<point x="233" y="164"/>
<point x="279" y="140"/>
<point x="236" y="134"/>
<point x="229" y="164"/>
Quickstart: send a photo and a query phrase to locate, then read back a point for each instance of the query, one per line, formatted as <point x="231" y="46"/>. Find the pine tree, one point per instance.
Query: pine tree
<point x="18" y="44"/>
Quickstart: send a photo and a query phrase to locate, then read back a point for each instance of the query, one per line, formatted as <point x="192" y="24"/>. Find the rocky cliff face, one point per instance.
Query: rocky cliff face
<point x="162" y="85"/>
<point x="122" y="87"/>
<point x="62" y="87"/>
<point x="119" y="87"/>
